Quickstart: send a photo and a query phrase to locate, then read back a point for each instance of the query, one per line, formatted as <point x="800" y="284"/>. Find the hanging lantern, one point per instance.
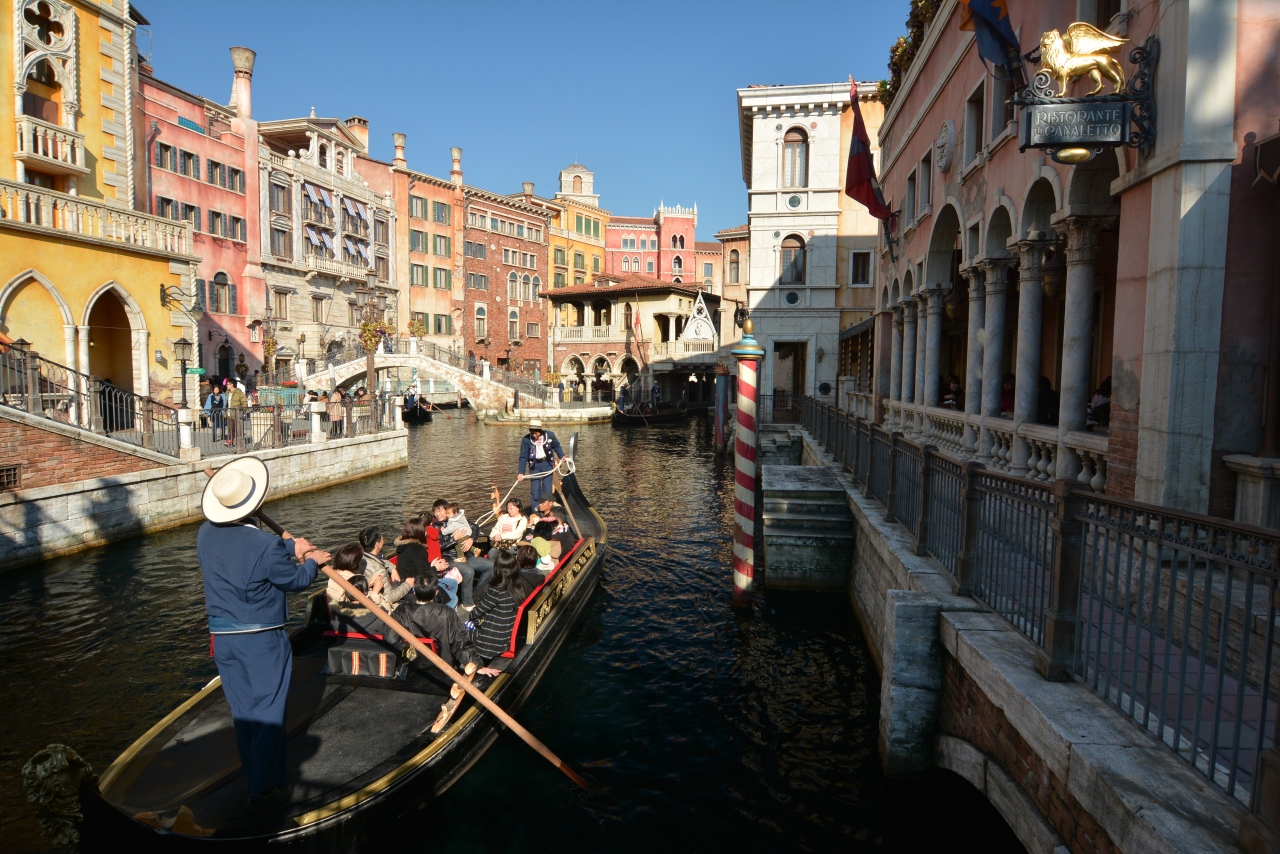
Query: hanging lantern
<point x="953" y="305"/>
<point x="1054" y="275"/>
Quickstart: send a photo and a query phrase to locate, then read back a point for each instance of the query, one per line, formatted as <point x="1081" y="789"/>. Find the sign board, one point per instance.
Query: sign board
<point x="1072" y="125"/>
<point x="197" y="371"/>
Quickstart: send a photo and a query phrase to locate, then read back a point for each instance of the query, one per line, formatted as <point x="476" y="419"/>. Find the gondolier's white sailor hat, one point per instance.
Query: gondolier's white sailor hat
<point x="235" y="491"/>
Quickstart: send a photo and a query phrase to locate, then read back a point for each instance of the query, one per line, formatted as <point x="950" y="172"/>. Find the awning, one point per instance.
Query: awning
<point x="351" y="247"/>
<point x="351" y="209"/>
<point x="363" y="252"/>
<point x="328" y="199"/>
<point x="364" y="211"/>
<point x="328" y="241"/>
<point x="311" y="193"/>
<point x="311" y="235"/>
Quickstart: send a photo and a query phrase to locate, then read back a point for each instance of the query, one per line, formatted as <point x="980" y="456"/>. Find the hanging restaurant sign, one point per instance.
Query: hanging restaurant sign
<point x="1074" y="130"/>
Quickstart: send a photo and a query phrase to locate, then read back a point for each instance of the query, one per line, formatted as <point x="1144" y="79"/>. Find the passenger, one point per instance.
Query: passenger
<point x="543" y="522"/>
<point x="527" y="557"/>
<point x="495" y="616"/>
<point x="471" y="575"/>
<point x="460" y="527"/>
<point x="423" y="615"/>
<point x="418" y="549"/>
<point x="347" y="614"/>
<point x="546" y="562"/>
<point x="509" y="528"/>
<point x="563" y="536"/>
<point x="393" y="589"/>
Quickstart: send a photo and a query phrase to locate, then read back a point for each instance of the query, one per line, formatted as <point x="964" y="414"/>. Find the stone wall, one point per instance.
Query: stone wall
<point x="46" y="521"/>
<point x="51" y="453"/>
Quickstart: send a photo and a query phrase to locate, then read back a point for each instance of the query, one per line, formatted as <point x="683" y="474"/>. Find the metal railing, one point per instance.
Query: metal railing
<point x="49" y="390"/>
<point x="1170" y="617"/>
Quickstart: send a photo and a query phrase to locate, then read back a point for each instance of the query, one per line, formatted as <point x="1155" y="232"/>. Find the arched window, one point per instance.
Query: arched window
<point x="513" y="287"/>
<point x="733" y="266"/>
<point x="324" y="157"/>
<point x="677" y="280"/>
<point x="526" y="291"/>
<point x="795" y="159"/>
<point x="635" y="263"/>
<point x="481" y="325"/>
<point x="43" y="100"/>
<point x="337" y="160"/>
<point x="675" y="244"/>
<point x="577" y="183"/>
<point x="682" y="241"/>
<point x="677" y="265"/>
<point x="626" y="317"/>
<point x="792" y="260"/>
<point x="220" y="294"/>
<point x="626" y="264"/>
<point x="648" y="267"/>
<point x="513" y="324"/>
<point x="537" y="287"/>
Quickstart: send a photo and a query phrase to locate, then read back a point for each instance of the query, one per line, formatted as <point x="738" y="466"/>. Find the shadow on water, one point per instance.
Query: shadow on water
<point x="707" y="727"/>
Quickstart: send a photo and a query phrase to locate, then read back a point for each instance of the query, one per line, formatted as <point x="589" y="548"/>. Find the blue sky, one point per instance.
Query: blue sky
<point x="641" y="93"/>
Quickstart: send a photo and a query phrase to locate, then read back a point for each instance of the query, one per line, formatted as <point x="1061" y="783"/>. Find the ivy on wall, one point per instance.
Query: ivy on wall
<point x="904" y="50"/>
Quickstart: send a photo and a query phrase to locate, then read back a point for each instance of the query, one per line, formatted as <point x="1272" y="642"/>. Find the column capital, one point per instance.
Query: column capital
<point x="934" y="297"/>
<point x="1031" y="257"/>
<point x="1081" y="233"/>
<point x="997" y="270"/>
<point x="909" y="312"/>
<point x="897" y="316"/>
<point x="977" y="290"/>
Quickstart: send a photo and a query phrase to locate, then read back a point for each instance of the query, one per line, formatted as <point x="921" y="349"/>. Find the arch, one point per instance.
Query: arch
<point x="999" y="230"/>
<point x="537" y="286"/>
<point x="942" y="245"/>
<point x="908" y="285"/>
<point x="626" y="264"/>
<point x="224" y="357"/>
<point x="674" y="243"/>
<point x="793" y="260"/>
<point x="795" y="157"/>
<point x="601" y="364"/>
<point x="628" y="366"/>
<point x="322" y="156"/>
<point x="573" y="365"/>
<point x="1090" y="185"/>
<point x="733" y="266"/>
<point x="627" y="317"/>
<point x="577" y="184"/>
<point x="677" y="265"/>
<point x="635" y="263"/>
<point x="1038" y="207"/>
<point x="11" y="289"/>
<point x="884" y="298"/>
<point x="895" y="292"/>
<point x="131" y="307"/>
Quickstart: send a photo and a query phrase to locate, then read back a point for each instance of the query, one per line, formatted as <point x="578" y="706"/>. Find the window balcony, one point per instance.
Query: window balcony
<point x="336" y="268"/>
<point x="45" y="147"/>
<point x="317" y="213"/>
<point x="683" y="349"/>
<point x="354" y="225"/>
<point x="585" y="333"/>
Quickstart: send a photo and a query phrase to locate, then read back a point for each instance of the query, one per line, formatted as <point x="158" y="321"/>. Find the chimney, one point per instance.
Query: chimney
<point x="398" y="139"/>
<point x="242" y="89"/>
<point x="455" y="174"/>
<point x="528" y="190"/>
<point x="359" y="127"/>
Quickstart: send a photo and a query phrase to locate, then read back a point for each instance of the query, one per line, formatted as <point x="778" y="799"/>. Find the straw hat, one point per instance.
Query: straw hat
<point x="535" y="424"/>
<point x="236" y="491"/>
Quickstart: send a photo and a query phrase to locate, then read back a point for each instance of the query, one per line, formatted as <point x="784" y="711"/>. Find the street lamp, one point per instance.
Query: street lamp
<point x="364" y="302"/>
<point x="182" y="352"/>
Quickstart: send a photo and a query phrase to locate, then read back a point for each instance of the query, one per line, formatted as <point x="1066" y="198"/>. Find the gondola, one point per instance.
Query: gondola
<point x="636" y="418"/>
<point x="419" y="413"/>
<point x="361" y="756"/>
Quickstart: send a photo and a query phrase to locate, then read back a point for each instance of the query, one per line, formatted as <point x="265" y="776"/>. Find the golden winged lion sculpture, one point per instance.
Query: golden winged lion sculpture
<point x="1081" y="51"/>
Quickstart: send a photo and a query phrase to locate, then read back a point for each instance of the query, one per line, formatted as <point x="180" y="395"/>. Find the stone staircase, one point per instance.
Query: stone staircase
<point x="807" y="527"/>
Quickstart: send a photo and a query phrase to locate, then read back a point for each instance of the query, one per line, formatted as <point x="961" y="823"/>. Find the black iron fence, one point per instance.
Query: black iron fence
<point x="1170" y="617"/>
<point x="237" y="430"/>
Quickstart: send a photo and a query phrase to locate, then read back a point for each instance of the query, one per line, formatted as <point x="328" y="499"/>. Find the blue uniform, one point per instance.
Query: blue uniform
<point x="529" y="464"/>
<point x="246" y="575"/>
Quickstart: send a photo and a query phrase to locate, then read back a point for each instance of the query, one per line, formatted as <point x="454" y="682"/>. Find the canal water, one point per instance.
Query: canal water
<point x="708" y="728"/>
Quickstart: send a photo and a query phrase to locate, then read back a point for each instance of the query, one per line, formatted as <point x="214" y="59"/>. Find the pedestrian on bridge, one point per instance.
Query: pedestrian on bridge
<point x="539" y="452"/>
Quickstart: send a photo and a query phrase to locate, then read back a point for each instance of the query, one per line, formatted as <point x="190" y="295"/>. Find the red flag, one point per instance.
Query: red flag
<point x="860" y="180"/>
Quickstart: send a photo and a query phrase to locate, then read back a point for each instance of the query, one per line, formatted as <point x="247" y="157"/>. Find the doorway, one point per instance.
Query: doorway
<point x="790" y="360"/>
<point x="111" y="354"/>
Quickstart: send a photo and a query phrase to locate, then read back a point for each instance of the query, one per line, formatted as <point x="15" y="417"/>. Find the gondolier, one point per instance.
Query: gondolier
<point x="539" y="452"/>
<point x="247" y="573"/>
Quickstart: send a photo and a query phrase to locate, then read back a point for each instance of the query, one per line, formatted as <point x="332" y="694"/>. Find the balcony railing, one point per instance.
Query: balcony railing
<point x="334" y="267"/>
<point x="585" y="333"/>
<point x="319" y="214"/>
<point x="569" y="234"/>
<point x="680" y="349"/>
<point x="1167" y="616"/>
<point x="49" y="148"/>
<point x="77" y="216"/>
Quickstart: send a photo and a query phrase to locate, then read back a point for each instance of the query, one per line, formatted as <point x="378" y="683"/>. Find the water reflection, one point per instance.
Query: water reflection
<point x="708" y="728"/>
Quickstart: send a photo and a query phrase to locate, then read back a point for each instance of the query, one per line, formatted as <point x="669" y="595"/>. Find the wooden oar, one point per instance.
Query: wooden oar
<point x="425" y="651"/>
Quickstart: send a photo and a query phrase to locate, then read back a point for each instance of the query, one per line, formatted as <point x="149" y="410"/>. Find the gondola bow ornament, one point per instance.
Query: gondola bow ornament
<point x="52" y="780"/>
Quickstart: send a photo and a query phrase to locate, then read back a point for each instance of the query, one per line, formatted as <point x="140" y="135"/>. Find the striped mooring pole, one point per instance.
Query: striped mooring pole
<point x="748" y="353"/>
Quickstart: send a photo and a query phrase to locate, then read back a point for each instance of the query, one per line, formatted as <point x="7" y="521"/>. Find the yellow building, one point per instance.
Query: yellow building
<point x="577" y="229"/>
<point x="82" y="269"/>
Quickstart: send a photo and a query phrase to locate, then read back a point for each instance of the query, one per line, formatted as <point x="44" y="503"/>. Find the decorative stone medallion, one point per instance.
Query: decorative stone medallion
<point x="944" y="148"/>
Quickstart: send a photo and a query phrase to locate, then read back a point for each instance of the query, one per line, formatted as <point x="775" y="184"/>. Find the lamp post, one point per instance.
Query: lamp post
<point x="366" y="304"/>
<point x="182" y="352"/>
<point x="269" y="342"/>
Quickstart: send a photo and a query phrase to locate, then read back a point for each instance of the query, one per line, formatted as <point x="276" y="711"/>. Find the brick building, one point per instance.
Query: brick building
<point x="505" y="263"/>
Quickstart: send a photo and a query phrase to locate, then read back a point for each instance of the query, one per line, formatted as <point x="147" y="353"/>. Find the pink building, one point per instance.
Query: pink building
<point x="202" y="166"/>
<point x="660" y="247"/>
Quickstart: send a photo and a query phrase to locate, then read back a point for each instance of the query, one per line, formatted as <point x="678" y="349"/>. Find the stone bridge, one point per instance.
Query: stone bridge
<point x="484" y="394"/>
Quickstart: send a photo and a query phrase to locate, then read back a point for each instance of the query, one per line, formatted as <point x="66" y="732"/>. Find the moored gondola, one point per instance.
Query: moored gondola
<point x="361" y="754"/>
<point x="419" y="413"/>
<point x="637" y="418"/>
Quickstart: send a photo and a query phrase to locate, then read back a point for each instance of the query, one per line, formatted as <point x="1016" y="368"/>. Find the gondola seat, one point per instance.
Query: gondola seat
<point x="362" y="654"/>
<point x="518" y="631"/>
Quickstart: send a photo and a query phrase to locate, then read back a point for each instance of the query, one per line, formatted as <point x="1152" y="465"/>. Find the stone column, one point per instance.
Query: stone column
<point x="907" y="391"/>
<point x="82" y="365"/>
<point x="922" y="343"/>
<point x="997" y="288"/>
<point x="933" y="348"/>
<point x="895" y="355"/>
<point x="1026" y="389"/>
<point x="973" y="358"/>
<point x="1077" y="328"/>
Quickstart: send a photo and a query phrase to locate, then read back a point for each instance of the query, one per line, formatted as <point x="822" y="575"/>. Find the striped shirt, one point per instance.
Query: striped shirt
<point x="495" y="616"/>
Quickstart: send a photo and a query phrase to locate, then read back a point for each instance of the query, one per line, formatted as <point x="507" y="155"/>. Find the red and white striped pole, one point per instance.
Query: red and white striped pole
<point x="748" y="353"/>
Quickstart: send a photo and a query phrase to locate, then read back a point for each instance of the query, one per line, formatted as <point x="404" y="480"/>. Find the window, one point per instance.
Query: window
<point x="909" y="203"/>
<point x="793" y="261"/>
<point x="537" y="288"/>
<point x="795" y="159"/>
<point x="282" y="243"/>
<point x="481" y="327"/>
<point x="595" y="263"/>
<point x="220" y="294"/>
<point x="418" y="275"/>
<point x="532" y="330"/>
<point x="282" y="306"/>
<point x="635" y="264"/>
<point x="418" y="241"/>
<point x="166" y="157"/>
<point x="189" y="164"/>
<point x="513" y="324"/>
<point x="381" y="267"/>
<point x="444" y="324"/>
<point x="578" y="224"/>
<point x="595" y="228"/>
<point x="474" y="250"/>
<point x="519" y="230"/>
<point x="238" y="229"/>
<point x="579" y="280"/>
<point x="281" y="199"/>
<point x="477" y="281"/>
<point x="628" y="243"/>
<point x="380" y="231"/>
<point x="441" y="279"/>
<point x="925" y="180"/>
<point x="191" y="214"/>
<point x="648" y="267"/>
<point x="217" y="173"/>
<point x="235" y="180"/>
<point x="708" y="271"/>
<point x="418" y="207"/>
<point x="166" y="208"/>
<point x="626" y="264"/>
<point x="860" y="268"/>
<point x="217" y="223"/>
<point x="733" y="266"/>
<point x="560" y="256"/>
<point x="420" y="317"/>
<point x="513" y="287"/>
<point x="579" y="261"/>
<point x="559" y="280"/>
<point x="626" y="317"/>
<point x="1001" y="109"/>
<point x="443" y="246"/>
<point x="526" y="289"/>
<point x="317" y="309"/>
<point x="677" y="266"/>
<point x="442" y="213"/>
<point x="973" y="125"/>
<point x="351" y="313"/>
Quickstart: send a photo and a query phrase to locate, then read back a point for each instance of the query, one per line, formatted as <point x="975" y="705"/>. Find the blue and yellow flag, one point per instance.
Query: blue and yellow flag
<point x="989" y="20"/>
